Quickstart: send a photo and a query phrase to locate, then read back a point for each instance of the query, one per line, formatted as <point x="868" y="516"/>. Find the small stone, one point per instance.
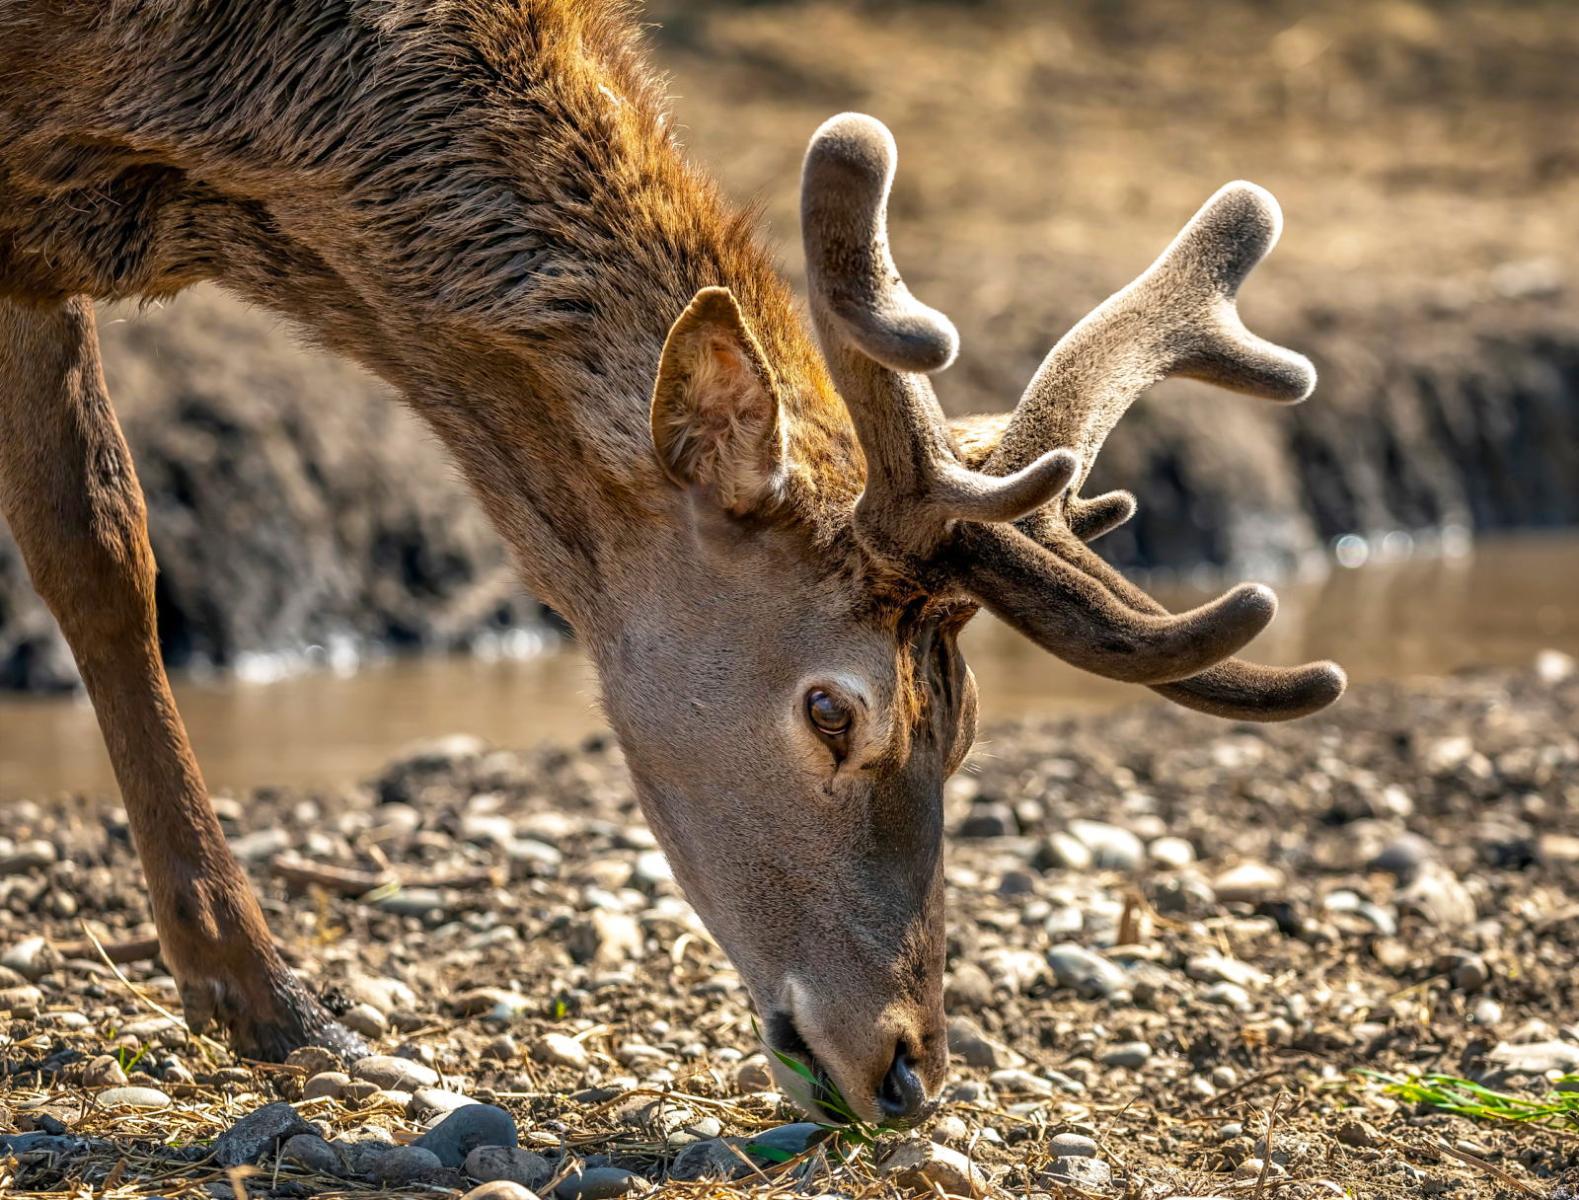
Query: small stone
<point x="140" y="1098"/>
<point x="598" y="1183"/>
<point x="1486" y="1012"/>
<point x="989" y="819"/>
<point x="1470" y="973"/>
<point x="966" y="1039"/>
<point x="24" y="1001"/>
<point x="1403" y="858"/>
<point x="326" y="1085"/>
<point x="606" y="938"/>
<point x="557" y="1049"/>
<point x="1171" y="852"/>
<point x="1091" y="1174"/>
<point x="104" y="1071"/>
<point x="511" y="1163"/>
<point x="407" y="1164"/>
<point x="312" y="1152"/>
<point x="500" y="1189"/>
<point x="503" y="1048"/>
<point x="1228" y="995"/>
<point x="365" y="1020"/>
<point x="1127" y="1055"/>
<point x="1248" y="883"/>
<point x="1439" y="897"/>
<point x="1061" y="851"/>
<point x="712" y="1160"/>
<point x="1017" y="1082"/>
<point x="1356" y="1133"/>
<point x="1112" y="848"/>
<point x="926" y="1167"/>
<point x="1213" y="967"/>
<point x="492" y="1004"/>
<point x="1086" y="971"/>
<point x="793" y="1139"/>
<point x="31" y="958"/>
<point x="390" y="1073"/>
<point x="1072" y="1145"/>
<point x="967" y="987"/>
<point x="258" y="1133"/>
<point x="753" y="1075"/>
<point x="1537" y="1058"/>
<point x="466" y="1129"/>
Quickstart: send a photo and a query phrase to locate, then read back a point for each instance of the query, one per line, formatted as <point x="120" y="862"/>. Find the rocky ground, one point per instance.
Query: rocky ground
<point x="1176" y="946"/>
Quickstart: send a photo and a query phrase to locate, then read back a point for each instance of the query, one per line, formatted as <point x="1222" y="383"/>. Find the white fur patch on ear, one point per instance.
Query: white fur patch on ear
<point x="716" y="420"/>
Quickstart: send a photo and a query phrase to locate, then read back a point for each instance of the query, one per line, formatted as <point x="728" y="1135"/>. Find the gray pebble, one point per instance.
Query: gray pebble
<point x="488" y="1163"/>
<point x="312" y="1152"/>
<point x="466" y="1129"/>
<point x="599" y="1183"/>
<point x="133" y="1097"/>
<point x="1092" y="1174"/>
<point x="1127" y="1054"/>
<point x="393" y="1074"/>
<point x="407" y="1164"/>
<point x="1086" y="971"/>
<point x="1072" y="1145"/>
<point x="257" y="1134"/>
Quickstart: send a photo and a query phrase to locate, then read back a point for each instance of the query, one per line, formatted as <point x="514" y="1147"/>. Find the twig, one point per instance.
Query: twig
<point x="352" y="881"/>
<point x="139" y="950"/>
<point x="1266" y="1150"/>
<point x="1480" y="1164"/>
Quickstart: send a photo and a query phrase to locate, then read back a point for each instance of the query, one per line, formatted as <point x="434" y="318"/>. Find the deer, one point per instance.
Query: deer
<point x="768" y="543"/>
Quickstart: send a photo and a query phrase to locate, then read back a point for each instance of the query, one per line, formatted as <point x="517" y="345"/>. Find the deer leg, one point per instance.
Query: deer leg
<point x="70" y="495"/>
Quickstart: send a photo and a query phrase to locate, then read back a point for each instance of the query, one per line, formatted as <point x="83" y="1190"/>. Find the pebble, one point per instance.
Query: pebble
<point x="311" y="1151"/>
<point x="104" y="1071"/>
<point x="1248" y="883"/>
<point x="791" y="1139"/>
<point x="976" y="1049"/>
<point x="1072" y="1145"/>
<point x="500" y="1189"/>
<point x="928" y="1167"/>
<point x="1356" y="1133"/>
<point x="1112" y="848"/>
<point x="1438" y="896"/>
<point x="753" y="1075"/>
<point x="605" y="938"/>
<point x="487" y="1164"/>
<point x="1171" y="852"/>
<point x="258" y="1134"/>
<point x="1470" y="973"/>
<point x="967" y="986"/>
<point x="313" y="1060"/>
<point x="406" y="1164"/>
<point x="31" y="958"/>
<point x="1086" y="971"/>
<point x="560" y="1050"/>
<point x="599" y="1183"/>
<point x="989" y="819"/>
<point x="1091" y="1174"/>
<point x="365" y="1020"/>
<point x="1213" y="967"/>
<point x="712" y="1160"/>
<point x="466" y="1129"/>
<point x="1228" y="995"/>
<point x="325" y="1085"/>
<point x="1060" y="850"/>
<point x="1537" y="1058"/>
<point x="144" y="1098"/>
<point x="390" y="1073"/>
<point x="1127" y="1055"/>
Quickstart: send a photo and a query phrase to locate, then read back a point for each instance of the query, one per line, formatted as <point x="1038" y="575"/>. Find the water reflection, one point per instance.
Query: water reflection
<point x="1499" y="605"/>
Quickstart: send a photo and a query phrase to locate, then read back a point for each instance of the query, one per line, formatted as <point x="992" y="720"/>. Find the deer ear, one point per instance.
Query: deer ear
<point x="716" y="422"/>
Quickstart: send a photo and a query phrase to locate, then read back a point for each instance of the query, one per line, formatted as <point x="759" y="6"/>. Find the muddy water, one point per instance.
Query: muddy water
<point x="1500" y="604"/>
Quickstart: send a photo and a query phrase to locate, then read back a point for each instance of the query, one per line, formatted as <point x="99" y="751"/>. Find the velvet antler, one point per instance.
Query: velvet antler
<point x="922" y="510"/>
<point x="928" y="515"/>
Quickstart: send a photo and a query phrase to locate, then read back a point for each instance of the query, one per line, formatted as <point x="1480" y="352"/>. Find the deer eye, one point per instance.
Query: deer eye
<point x="829" y="716"/>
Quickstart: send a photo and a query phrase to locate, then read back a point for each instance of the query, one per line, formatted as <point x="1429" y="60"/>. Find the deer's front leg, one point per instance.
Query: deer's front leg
<point x="70" y="495"/>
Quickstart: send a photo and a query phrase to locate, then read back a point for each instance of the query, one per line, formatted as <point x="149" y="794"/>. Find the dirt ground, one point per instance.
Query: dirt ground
<point x="1166" y="933"/>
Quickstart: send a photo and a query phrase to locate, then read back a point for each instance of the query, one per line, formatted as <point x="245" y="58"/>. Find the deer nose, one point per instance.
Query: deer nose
<point x="902" y="1095"/>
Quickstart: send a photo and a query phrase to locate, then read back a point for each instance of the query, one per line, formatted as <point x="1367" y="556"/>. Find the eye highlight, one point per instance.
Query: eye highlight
<point x="830" y="718"/>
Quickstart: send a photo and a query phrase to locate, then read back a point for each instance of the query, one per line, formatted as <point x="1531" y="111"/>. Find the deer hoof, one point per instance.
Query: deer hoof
<point x="267" y="1023"/>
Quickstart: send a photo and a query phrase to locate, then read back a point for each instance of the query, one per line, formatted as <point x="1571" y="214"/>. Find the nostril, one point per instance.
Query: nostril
<point x="902" y="1093"/>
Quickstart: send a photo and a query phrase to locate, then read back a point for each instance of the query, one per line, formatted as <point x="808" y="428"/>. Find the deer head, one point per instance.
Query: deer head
<point x="796" y="780"/>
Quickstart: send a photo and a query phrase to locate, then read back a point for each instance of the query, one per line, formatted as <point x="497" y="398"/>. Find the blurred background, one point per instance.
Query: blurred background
<point x="1419" y="510"/>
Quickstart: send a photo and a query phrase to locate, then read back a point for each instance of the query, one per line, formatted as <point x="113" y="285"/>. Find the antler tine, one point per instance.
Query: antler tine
<point x="921" y="509"/>
<point x="1178" y="318"/>
<point x="880" y="340"/>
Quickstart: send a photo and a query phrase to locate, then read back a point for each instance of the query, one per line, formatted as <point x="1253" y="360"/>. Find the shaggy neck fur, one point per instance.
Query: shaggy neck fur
<point x="477" y="199"/>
